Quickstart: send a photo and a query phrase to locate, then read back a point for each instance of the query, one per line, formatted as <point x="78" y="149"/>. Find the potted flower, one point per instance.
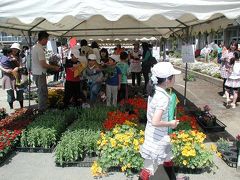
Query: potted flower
<point x="190" y="152"/>
<point x="119" y="148"/>
<point x="207" y="118"/>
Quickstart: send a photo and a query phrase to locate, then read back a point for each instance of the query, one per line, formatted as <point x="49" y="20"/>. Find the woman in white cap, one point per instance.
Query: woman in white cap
<point x="156" y="149"/>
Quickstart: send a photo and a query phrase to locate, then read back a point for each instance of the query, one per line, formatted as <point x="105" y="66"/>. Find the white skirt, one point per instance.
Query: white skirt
<point x="234" y="83"/>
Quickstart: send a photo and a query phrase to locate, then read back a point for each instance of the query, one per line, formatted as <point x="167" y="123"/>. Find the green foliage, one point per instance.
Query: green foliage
<point x="191" y="77"/>
<point x="223" y="144"/>
<point x="120" y="148"/>
<point x="82" y="135"/>
<point x="47" y="128"/>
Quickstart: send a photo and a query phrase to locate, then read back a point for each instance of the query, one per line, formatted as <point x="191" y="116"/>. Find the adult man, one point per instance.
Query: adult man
<point x="39" y="69"/>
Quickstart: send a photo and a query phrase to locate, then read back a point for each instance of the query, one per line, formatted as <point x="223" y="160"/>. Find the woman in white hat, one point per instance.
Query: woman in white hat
<point x="9" y="76"/>
<point x="16" y="58"/>
<point x="156" y="149"/>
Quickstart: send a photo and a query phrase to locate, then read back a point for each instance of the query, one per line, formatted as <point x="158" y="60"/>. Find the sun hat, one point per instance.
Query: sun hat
<point x="115" y="57"/>
<point x="163" y="70"/>
<point x="15" y="46"/>
<point x="92" y="57"/>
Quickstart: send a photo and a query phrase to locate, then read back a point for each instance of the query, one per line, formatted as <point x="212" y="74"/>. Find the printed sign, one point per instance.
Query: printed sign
<point x="188" y="55"/>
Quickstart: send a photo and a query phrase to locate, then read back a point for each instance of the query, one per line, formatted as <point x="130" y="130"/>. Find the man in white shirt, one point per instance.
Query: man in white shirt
<point x="39" y="69"/>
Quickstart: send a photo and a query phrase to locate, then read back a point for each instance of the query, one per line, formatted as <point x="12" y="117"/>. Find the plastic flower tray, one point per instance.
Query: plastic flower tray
<point x="6" y="156"/>
<point x="36" y="149"/>
<point x="186" y="170"/>
<point x="230" y="156"/>
<point x="218" y="127"/>
<point x="85" y="162"/>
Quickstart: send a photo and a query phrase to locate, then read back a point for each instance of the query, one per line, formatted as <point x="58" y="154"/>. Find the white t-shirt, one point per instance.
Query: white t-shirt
<point x="38" y="55"/>
<point x="236" y="71"/>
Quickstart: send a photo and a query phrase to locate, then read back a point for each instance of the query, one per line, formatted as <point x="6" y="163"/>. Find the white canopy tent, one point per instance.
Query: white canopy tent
<point x="102" y="19"/>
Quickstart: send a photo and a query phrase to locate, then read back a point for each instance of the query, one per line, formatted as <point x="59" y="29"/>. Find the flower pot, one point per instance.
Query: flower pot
<point x="230" y="156"/>
<point x="213" y="126"/>
<point x="186" y="170"/>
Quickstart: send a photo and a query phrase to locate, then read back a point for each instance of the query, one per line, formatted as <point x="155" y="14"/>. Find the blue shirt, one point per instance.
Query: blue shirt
<point x="113" y="77"/>
<point x="6" y="63"/>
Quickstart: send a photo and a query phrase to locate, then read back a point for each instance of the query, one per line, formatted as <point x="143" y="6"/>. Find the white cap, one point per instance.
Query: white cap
<point x="115" y="57"/>
<point x="164" y="70"/>
<point x="92" y="57"/>
<point x="15" y="46"/>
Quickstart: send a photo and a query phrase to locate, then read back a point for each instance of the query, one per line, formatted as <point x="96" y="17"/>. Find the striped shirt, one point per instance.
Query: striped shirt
<point x="156" y="145"/>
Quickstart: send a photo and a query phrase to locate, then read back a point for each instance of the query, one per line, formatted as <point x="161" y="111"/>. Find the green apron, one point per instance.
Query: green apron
<point x="172" y="108"/>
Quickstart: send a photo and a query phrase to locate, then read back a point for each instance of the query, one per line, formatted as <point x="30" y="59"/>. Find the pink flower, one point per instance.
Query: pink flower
<point x="206" y="108"/>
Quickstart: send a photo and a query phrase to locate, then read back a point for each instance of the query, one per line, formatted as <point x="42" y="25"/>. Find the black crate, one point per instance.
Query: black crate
<point x="36" y="149"/>
<point x="218" y="127"/>
<point x="186" y="170"/>
<point x="6" y="156"/>
<point x="230" y="156"/>
<point x="85" y="162"/>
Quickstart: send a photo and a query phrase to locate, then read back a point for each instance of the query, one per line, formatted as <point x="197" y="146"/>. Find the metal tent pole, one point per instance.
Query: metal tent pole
<point x="30" y="67"/>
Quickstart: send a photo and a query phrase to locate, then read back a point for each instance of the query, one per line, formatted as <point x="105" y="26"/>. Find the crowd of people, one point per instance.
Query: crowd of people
<point x="230" y="72"/>
<point x="89" y="73"/>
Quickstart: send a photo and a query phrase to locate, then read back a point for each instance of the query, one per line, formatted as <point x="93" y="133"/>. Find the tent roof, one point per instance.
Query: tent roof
<point x="99" y="19"/>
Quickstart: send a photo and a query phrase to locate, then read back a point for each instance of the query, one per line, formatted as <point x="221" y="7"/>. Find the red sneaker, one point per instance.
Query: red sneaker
<point x="144" y="174"/>
<point x="168" y="163"/>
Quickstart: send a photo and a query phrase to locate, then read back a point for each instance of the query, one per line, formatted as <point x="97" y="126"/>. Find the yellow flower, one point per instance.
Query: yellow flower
<point x="129" y="123"/>
<point x="141" y="140"/>
<point x="98" y="142"/>
<point x="124" y="168"/>
<point x="116" y="130"/>
<point x="102" y="134"/>
<point x="141" y="133"/>
<point x="219" y="154"/>
<point x="96" y="169"/>
<point x="104" y="142"/>
<point x="203" y="146"/>
<point x="136" y="148"/>
<point x="185" y="162"/>
<point x="113" y="142"/>
<point x="213" y="147"/>
<point x="128" y="165"/>
<point x="135" y="142"/>
<point x="192" y="152"/>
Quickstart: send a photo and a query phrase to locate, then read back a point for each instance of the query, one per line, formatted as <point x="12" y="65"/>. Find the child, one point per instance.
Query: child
<point x="135" y="64"/>
<point x="123" y="66"/>
<point x="95" y="76"/>
<point x="156" y="149"/>
<point x="9" y="64"/>
<point x="72" y="90"/>
<point x="234" y="80"/>
<point x="113" y="80"/>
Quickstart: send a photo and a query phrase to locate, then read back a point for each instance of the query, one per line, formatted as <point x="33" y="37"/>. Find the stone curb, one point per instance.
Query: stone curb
<point x="212" y="80"/>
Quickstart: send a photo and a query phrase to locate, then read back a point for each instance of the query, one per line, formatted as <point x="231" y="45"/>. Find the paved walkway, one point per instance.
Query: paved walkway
<point x="38" y="166"/>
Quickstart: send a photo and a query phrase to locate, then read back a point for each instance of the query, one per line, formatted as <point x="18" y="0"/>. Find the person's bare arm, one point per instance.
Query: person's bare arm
<point x="48" y="66"/>
<point x="156" y="120"/>
<point x="5" y="70"/>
